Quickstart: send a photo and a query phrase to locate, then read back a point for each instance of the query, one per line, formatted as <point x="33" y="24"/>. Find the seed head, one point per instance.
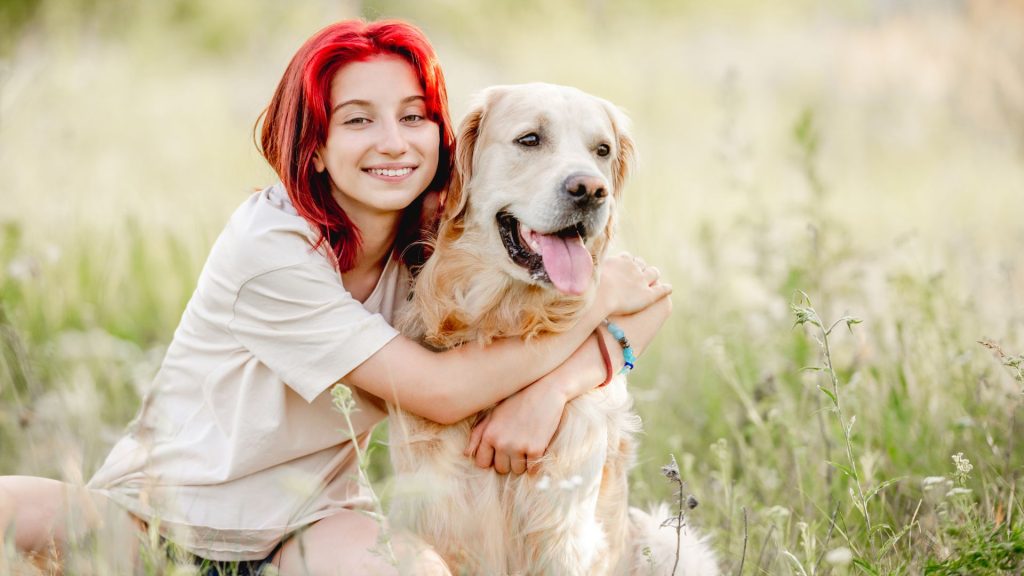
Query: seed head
<point x="671" y="470"/>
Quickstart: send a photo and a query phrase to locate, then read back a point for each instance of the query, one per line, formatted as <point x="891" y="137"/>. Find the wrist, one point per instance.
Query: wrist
<point x="561" y="388"/>
<point x="628" y="354"/>
<point x="604" y="304"/>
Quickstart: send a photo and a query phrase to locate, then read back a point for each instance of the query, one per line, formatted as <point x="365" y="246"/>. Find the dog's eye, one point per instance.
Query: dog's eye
<point x="531" y="139"/>
<point x="603" y="150"/>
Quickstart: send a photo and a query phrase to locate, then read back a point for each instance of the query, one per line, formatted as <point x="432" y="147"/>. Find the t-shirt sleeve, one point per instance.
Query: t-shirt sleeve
<point x="301" y="322"/>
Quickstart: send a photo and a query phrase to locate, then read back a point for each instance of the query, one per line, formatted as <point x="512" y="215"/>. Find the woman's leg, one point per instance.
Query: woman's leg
<point x="46" y="516"/>
<point x="340" y="544"/>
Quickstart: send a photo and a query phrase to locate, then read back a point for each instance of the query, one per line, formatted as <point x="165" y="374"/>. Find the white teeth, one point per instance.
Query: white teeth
<point x="529" y="237"/>
<point x="389" y="172"/>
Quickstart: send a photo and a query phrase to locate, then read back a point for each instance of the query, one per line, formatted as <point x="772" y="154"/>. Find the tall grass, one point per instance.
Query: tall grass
<point x="827" y="153"/>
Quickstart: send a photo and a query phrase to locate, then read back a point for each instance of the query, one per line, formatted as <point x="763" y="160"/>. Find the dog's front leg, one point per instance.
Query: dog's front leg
<point x="554" y="512"/>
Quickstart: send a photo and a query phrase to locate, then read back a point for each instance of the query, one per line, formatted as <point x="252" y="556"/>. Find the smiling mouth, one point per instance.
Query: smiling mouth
<point x="390" y="172"/>
<point x="559" y="258"/>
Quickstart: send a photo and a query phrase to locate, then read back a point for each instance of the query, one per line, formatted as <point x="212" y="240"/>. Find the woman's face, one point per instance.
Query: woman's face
<point x="381" y="150"/>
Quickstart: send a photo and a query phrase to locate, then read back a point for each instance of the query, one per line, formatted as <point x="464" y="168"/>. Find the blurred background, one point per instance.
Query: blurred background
<point x="869" y="153"/>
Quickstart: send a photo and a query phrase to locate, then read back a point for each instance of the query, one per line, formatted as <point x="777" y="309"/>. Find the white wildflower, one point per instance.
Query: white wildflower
<point x="343" y="400"/>
<point x="841" y="556"/>
<point x="544" y="483"/>
<point x="963" y="465"/>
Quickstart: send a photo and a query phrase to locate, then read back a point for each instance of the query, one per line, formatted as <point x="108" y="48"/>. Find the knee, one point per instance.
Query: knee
<point x="416" y="557"/>
<point x="347" y="543"/>
<point x="429" y="563"/>
<point x="30" y="508"/>
<point x="41" y="511"/>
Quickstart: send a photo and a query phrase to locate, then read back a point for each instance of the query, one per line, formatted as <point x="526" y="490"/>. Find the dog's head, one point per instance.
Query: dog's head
<point x="539" y="171"/>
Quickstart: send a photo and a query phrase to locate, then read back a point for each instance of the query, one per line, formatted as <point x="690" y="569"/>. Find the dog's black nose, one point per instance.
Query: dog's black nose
<point x="586" y="188"/>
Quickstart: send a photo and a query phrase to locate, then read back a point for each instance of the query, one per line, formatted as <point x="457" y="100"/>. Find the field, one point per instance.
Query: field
<point x="855" y="164"/>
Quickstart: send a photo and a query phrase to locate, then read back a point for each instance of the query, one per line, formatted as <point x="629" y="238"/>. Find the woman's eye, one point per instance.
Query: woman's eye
<point x="356" y="121"/>
<point x="531" y="139"/>
<point x="413" y="118"/>
<point x="603" y="150"/>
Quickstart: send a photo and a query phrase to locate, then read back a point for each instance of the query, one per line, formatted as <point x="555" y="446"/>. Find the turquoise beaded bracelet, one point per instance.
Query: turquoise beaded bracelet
<point x="627" y="351"/>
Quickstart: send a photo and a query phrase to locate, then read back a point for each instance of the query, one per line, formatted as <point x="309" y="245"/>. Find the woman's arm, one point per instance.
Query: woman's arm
<point x="438" y="385"/>
<point x="519" y="430"/>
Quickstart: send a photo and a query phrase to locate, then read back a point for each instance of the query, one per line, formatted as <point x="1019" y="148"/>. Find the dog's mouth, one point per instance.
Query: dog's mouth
<point x="559" y="258"/>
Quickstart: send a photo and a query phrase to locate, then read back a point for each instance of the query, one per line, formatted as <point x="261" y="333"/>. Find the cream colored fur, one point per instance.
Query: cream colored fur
<point x="573" y="516"/>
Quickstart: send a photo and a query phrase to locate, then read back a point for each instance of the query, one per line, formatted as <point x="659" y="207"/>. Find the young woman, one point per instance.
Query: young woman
<point x="237" y="447"/>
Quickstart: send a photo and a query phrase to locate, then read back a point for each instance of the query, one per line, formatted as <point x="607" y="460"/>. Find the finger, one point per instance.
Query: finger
<point x="502" y="463"/>
<point x="477" y="435"/>
<point x="533" y="463"/>
<point x="518" y="463"/>
<point x="474" y="440"/>
<point x="484" y="455"/>
<point x="651" y="274"/>
<point x="661" y="289"/>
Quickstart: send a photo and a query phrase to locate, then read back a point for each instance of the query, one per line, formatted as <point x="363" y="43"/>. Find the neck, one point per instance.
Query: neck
<point x="377" y="231"/>
<point x="460" y="297"/>
<point x="377" y="241"/>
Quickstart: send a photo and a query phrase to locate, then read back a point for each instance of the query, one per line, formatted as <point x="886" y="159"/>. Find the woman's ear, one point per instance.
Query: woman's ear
<point x="318" y="163"/>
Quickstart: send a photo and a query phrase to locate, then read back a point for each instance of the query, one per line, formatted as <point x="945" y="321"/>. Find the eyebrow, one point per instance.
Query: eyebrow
<point x="367" y="103"/>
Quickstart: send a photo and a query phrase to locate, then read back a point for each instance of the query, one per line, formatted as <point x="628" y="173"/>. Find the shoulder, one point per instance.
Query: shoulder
<point x="265" y="234"/>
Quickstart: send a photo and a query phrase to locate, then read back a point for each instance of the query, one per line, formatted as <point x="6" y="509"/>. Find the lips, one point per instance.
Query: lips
<point x="559" y="258"/>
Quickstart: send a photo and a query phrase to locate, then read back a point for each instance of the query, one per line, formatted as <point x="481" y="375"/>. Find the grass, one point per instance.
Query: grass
<point x="832" y="155"/>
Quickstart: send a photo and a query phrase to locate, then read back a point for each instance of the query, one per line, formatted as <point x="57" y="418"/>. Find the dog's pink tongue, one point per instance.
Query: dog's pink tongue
<point x="567" y="262"/>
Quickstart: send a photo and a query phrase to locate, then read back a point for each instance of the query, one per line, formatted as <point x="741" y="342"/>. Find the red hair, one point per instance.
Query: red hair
<point x="296" y="121"/>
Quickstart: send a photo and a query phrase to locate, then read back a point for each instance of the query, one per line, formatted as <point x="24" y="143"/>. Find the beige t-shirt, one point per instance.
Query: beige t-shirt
<point x="237" y="443"/>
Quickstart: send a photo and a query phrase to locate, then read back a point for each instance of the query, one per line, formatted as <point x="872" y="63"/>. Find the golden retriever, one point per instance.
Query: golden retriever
<point x="532" y="209"/>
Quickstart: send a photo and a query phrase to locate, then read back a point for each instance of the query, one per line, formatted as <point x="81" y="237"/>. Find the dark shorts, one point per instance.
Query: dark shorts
<point x="225" y="568"/>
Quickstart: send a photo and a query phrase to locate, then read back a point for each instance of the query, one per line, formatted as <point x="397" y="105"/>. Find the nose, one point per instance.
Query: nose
<point x="392" y="142"/>
<point x="584" y="188"/>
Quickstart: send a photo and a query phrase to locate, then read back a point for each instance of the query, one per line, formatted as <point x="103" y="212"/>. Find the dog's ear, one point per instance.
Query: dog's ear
<point x="622" y="166"/>
<point x="465" y="141"/>
<point x="625" y="157"/>
<point x="465" y="146"/>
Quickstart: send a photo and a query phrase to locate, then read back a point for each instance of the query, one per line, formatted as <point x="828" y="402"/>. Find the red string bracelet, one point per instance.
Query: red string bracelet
<point x="604" y="356"/>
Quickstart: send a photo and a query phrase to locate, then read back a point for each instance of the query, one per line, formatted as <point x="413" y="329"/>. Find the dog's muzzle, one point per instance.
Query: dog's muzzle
<point x="559" y="258"/>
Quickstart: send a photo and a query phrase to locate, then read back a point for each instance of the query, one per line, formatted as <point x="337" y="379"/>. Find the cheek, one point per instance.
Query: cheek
<point x="342" y="150"/>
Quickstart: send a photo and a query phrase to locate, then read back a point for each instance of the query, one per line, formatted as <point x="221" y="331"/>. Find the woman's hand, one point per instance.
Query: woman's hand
<point x="628" y="285"/>
<point x="515" y="435"/>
